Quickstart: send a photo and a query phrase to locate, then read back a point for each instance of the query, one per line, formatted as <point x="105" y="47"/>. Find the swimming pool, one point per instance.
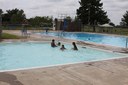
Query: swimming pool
<point x="37" y="54"/>
<point x="118" y="41"/>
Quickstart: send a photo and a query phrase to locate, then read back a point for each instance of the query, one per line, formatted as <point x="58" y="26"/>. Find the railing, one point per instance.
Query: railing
<point x="126" y="42"/>
<point x="60" y="35"/>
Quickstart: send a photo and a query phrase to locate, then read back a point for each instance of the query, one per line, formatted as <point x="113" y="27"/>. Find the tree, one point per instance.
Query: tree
<point x="91" y="12"/>
<point x="1" y="24"/>
<point x="1" y="16"/>
<point x="14" y="16"/>
<point x="112" y="24"/>
<point x="68" y="18"/>
<point x="125" y="19"/>
<point x="40" y="21"/>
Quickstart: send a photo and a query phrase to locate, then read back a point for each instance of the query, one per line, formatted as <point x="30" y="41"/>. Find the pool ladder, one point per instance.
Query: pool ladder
<point x="60" y="35"/>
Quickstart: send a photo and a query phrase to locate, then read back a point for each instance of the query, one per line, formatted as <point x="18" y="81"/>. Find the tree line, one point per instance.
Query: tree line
<point x="18" y="17"/>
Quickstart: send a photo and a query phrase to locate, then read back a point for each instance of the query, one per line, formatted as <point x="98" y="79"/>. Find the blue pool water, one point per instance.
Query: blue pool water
<point x="36" y="54"/>
<point x="97" y="38"/>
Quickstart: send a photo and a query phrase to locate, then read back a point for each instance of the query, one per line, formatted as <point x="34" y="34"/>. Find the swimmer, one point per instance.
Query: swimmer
<point x="74" y="46"/>
<point x="62" y="48"/>
<point x="59" y="44"/>
<point x="53" y="43"/>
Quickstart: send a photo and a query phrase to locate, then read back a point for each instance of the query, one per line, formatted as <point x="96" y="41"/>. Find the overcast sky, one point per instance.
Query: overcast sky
<point x="115" y="8"/>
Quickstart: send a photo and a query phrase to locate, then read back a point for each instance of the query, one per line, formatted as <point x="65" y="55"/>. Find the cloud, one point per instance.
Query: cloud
<point x="115" y="8"/>
<point x="55" y="1"/>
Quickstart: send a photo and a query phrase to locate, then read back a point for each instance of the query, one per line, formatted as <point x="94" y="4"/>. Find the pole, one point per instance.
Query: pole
<point x="89" y="14"/>
<point x="126" y="42"/>
<point x="89" y="17"/>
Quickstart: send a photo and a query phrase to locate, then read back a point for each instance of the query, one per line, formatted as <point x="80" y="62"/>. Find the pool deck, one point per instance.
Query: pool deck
<point x="112" y="72"/>
<point x="108" y="72"/>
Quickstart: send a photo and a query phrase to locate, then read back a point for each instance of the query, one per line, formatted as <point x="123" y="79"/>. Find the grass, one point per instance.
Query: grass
<point x="10" y="36"/>
<point x="118" y="31"/>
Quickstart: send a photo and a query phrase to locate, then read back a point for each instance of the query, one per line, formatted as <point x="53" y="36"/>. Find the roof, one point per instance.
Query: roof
<point x="105" y="25"/>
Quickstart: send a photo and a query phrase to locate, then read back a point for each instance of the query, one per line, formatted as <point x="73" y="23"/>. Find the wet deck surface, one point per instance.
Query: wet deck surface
<point x="111" y="72"/>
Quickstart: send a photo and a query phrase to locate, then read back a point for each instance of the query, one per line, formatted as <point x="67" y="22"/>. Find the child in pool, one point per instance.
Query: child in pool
<point x="74" y="46"/>
<point x="62" y="48"/>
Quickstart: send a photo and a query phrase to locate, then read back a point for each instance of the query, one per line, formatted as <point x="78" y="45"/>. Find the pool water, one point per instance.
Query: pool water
<point x="36" y="54"/>
<point x="97" y="38"/>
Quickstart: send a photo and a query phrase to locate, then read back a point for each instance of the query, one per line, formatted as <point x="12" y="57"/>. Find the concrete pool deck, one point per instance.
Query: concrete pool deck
<point x="108" y="72"/>
<point x="112" y="72"/>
